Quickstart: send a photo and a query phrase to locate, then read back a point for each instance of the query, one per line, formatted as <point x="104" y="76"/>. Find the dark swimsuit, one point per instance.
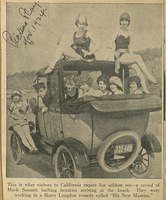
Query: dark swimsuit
<point x="71" y="98"/>
<point x="122" y="42"/>
<point x="82" y="43"/>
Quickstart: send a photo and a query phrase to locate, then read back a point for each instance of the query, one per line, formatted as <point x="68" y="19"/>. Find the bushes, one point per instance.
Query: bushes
<point x="153" y="60"/>
<point x="23" y="80"/>
<point x="150" y="54"/>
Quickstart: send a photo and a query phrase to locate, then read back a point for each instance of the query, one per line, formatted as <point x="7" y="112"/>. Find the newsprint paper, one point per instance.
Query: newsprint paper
<point x="82" y="100"/>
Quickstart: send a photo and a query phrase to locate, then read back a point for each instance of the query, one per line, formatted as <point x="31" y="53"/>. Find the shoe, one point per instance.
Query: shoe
<point x="146" y="92"/>
<point x="36" y="150"/>
<point x="33" y="150"/>
<point x="48" y="71"/>
<point x="156" y="83"/>
<point x="153" y="83"/>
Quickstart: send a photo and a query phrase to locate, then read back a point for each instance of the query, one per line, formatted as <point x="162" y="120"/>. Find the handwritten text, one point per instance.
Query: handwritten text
<point x="33" y="18"/>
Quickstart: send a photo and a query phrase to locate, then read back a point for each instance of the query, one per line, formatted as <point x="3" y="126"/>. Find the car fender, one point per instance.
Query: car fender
<point x="77" y="149"/>
<point x="151" y="143"/>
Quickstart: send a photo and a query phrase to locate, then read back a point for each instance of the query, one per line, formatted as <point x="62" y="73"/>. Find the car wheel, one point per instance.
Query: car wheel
<point x="16" y="148"/>
<point x="142" y="166"/>
<point x="119" y="151"/>
<point x="65" y="166"/>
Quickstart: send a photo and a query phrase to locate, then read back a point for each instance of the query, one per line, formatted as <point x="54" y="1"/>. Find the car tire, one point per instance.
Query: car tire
<point x="107" y="161"/>
<point x="142" y="166"/>
<point x="64" y="163"/>
<point x="16" y="148"/>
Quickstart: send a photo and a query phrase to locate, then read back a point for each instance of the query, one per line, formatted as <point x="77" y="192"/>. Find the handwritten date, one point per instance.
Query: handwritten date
<point x="24" y="33"/>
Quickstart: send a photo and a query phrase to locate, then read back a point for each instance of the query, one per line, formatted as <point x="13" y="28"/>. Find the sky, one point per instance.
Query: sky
<point x="103" y="20"/>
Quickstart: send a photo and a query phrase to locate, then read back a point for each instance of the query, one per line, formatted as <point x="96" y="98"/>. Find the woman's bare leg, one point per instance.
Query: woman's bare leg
<point x="69" y="52"/>
<point x="56" y="57"/>
<point x="31" y="117"/>
<point x="144" y="69"/>
<point x="60" y="51"/>
<point x="20" y="132"/>
<point x="140" y="74"/>
<point x="128" y="58"/>
<point x="27" y="134"/>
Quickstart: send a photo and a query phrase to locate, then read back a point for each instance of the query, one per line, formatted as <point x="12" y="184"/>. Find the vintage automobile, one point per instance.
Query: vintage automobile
<point x="110" y="130"/>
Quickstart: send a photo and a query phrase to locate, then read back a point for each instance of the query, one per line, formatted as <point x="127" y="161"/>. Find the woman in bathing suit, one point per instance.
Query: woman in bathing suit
<point x="124" y="55"/>
<point x="80" y="47"/>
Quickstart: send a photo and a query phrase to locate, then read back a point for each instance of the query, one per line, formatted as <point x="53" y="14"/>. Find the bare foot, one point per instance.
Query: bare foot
<point x="48" y="70"/>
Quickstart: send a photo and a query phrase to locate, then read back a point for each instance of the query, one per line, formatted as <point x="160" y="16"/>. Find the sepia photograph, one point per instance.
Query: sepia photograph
<point x="84" y="90"/>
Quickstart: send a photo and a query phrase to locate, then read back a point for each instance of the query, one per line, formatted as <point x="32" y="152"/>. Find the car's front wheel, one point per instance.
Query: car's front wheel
<point x="65" y="165"/>
<point x="16" y="148"/>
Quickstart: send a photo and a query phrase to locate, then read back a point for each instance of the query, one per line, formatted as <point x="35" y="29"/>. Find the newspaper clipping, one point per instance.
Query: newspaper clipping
<point x="82" y="100"/>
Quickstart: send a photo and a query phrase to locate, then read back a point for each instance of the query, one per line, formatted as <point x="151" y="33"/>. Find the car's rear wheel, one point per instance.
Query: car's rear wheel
<point x="16" y="148"/>
<point x="65" y="165"/>
<point x="119" y="151"/>
<point x="142" y="166"/>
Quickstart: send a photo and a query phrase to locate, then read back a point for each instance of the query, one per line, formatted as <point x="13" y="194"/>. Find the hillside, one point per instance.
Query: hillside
<point x="21" y="81"/>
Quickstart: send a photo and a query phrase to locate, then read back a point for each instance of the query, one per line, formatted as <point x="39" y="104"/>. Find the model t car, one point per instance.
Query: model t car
<point x="110" y="130"/>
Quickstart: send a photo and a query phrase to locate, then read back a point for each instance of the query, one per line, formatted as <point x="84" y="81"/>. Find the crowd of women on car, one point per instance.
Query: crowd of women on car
<point x="83" y="41"/>
<point x="81" y="86"/>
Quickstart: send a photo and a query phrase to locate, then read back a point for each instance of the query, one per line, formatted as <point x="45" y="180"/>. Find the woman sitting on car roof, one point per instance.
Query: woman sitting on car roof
<point x="124" y="53"/>
<point x="79" y="49"/>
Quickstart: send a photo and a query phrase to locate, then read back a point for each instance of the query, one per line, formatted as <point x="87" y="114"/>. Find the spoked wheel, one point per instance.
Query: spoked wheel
<point x="119" y="151"/>
<point x="141" y="167"/>
<point x="16" y="148"/>
<point x="65" y="166"/>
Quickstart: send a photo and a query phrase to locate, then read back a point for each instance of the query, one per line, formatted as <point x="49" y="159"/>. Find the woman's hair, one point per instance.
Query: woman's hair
<point x="118" y="87"/>
<point x="78" y="19"/>
<point x="114" y="80"/>
<point x="71" y="78"/>
<point x="104" y="78"/>
<point x="135" y="79"/>
<point x="38" y="86"/>
<point x="85" y="78"/>
<point x="16" y="93"/>
<point x="125" y="16"/>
